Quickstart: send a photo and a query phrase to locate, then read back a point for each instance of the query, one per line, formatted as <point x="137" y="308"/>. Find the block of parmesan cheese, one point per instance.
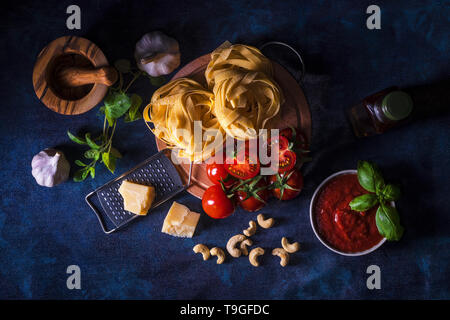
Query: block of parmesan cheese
<point x="180" y="221"/>
<point x="137" y="198"/>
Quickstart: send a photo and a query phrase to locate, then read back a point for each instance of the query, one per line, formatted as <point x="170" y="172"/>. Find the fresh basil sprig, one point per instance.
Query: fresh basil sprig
<point x="387" y="217"/>
<point x="117" y="104"/>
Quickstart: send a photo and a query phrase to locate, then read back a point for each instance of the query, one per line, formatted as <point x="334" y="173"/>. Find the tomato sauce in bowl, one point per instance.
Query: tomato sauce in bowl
<point x="341" y="229"/>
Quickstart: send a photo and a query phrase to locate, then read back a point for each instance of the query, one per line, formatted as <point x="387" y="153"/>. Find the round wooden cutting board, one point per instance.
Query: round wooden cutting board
<point x="294" y="112"/>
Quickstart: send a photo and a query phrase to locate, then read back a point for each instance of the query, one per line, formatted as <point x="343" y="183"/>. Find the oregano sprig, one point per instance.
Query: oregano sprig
<point x="387" y="217"/>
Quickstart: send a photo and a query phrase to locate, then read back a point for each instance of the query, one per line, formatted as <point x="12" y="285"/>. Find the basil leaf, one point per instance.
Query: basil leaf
<point x="123" y="65"/>
<point x="91" y="142"/>
<point x="136" y="102"/>
<point x="388" y="222"/>
<point x="92" y="154"/>
<point x="115" y="153"/>
<point x="92" y="172"/>
<point x="117" y="104"/>
<point x="369" y="177"/>
<point x="157" y="81"/>
<point x="364" y="202"/>
<point x="134" y="114"/>
<point x="391" y="192"/>
<point x="80" y="163"/>
<point x="109" y="161"/>
<point x="75" y="138"/>
<point x="81" y="174"/>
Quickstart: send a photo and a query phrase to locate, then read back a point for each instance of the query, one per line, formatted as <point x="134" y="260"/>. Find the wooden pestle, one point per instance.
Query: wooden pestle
<point x="77" y="76"/>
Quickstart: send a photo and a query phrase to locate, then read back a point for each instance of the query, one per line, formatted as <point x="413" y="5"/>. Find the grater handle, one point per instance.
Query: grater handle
<point x="97" y="213"/>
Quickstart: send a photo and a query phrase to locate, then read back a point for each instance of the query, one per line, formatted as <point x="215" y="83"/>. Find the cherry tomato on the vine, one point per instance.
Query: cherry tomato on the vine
<point x="288" y="185"/>
<point x="295" y="136"/>
<point x="281" y="143"/>
<point x="253" y="195"/>
<point x="243" y="165"/>
<point x="286" y="157"/>
<point x="216" y="173"/>
<point x="216" y="203"/>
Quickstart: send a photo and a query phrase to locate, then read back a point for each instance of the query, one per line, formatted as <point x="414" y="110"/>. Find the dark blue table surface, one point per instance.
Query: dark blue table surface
<point x="43" y="230"/>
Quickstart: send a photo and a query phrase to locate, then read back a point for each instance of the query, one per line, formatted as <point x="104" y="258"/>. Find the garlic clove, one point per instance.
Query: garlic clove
<point x="50" y="167"/>
<point x="164" y="49"/>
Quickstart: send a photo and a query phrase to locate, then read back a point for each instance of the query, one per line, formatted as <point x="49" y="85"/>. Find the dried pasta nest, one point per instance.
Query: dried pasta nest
<point x="173" y="109"/>
<point x="246" y="96"/>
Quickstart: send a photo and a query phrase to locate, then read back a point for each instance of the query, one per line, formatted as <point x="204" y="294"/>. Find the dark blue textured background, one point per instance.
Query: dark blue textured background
<point x="42" y="231"/>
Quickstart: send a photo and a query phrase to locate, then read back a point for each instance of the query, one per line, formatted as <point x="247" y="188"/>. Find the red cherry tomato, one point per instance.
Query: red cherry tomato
<point x="216" y="172"/>
<point x="288" y="185"/>
<point x="288" y="133"/>
<point x="243" y="166"/>
<point x="286" y="161"/>
<point x="252" y="197"/>
<point x="295" y="136"/>
<point x="286" y="157"/>
<point x="216" y="204"/>
<point x="281" y="143"/>
<point x="298" y="144"/>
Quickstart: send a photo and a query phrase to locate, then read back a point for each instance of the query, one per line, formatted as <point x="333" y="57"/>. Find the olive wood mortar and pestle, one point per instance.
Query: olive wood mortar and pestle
<point x="72" y="75"/>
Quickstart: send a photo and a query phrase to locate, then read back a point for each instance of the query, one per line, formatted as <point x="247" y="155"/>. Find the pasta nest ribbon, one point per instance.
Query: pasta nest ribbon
<point x="173" y="109"/>
<point x="246" y="96"/>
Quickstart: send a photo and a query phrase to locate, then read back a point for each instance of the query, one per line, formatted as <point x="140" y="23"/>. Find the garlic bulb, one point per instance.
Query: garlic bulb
<point x="157" y="54"/>
<point x="50" y="167"/>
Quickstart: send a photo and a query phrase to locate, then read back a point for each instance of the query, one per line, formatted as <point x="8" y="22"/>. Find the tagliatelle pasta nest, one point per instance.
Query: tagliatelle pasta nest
<point x="173" y="110"/>
<point x="246" y="96"/>
<point x="245" y="101"/>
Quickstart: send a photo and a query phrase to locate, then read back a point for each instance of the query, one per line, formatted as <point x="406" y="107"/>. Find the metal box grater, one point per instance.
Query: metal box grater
<point x="157" y="171"/>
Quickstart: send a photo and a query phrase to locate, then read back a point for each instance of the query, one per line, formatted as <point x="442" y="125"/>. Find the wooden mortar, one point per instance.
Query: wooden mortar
<point x="72" y="75"/>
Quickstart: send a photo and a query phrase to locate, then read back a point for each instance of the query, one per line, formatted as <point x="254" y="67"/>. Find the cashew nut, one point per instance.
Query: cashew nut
<point x="290" y="247"/>
<point x="250" y="230"/>
<point x="284" y="256"/>
<point x="219" y="253"/>
<point x="201" y="248"/>
<point x="231" y="245"/>
<point x="265" y="223"/>
<point x="243" y="246"/>
<point x="253" y="256"/>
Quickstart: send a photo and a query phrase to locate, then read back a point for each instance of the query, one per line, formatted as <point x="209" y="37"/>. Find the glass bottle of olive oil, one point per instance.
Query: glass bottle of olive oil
<point x="380" y="112"/>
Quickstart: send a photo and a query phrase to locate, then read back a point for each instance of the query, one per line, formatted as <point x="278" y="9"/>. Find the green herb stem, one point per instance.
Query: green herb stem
<point x="135" y="77"/>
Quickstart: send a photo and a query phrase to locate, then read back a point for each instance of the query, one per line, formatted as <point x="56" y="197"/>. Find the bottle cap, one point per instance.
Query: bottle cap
<point x="397" y="105"/>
